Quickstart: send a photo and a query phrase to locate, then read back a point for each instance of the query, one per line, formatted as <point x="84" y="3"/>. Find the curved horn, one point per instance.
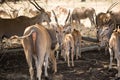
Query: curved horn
<point x="68" y="17"/>
<point x="55" y="18"/>
<point x="114" y="4"/>
<point x="38" y="5"/>
<point x="34" y="5"/>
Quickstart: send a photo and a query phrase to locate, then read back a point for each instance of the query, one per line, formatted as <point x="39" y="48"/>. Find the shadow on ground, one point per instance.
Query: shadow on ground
<point x="92" y="66"/>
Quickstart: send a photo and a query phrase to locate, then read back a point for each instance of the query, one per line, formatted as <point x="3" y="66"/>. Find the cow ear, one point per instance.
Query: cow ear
<point x="101" y="17"/>
<point x="49" y="13"/>
<point x="115" y="30"/>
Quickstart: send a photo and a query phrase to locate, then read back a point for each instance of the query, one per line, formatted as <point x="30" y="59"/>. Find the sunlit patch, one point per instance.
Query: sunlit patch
<point x="86" y="22"/>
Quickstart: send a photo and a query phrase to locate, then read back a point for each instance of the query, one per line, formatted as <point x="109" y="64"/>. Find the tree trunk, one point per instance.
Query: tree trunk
<point x="90" y="39"/>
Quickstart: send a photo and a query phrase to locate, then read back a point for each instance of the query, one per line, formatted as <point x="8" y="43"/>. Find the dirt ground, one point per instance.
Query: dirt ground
<point x="92" y="66"/>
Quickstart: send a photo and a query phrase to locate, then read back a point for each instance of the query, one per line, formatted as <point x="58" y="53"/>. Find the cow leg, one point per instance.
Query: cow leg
<point x="77" y="52"/>
<point x="118" y="62"/>
<point x="39" y="63"/>
<point x="39" y="69"/>
<point x="91" y="20"/>
<point x="28" y="55"/>
<point x="118" y="65"/>
<point x="72" y="56"/>
<point x="106" y="50"/>
<point x="77" y="24"/>
<point x="52" y="56"/>
<point x="46" y="64"/>
<point x="111" y="58"/>
<point x="64" y="54"/>
<point x="57" y="54"/>
<point x="57" y="51"/>
<point x="68" y="60"/>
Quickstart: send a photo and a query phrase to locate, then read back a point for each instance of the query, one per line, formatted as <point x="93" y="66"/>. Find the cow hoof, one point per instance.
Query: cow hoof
<point x="46" y="78"/>
<point x="117" y="78"/>
<point x="72" y="67"/>
<point x="54" y="72"/>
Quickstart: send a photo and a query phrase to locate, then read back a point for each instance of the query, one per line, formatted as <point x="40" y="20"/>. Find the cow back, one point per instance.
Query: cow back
<point x="52" y="34"/>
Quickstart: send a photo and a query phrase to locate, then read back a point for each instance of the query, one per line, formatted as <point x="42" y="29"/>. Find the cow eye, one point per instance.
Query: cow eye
<point x="56" y="31"/>
<point x="63" y="31"/>
<point x="107" y="29"/>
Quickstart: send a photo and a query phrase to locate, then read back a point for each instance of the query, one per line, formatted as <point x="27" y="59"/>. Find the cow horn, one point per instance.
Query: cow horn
<point x="34" y="5"/>
<point x="38" y="5"/>
<point x="68" y="17"/>
<point x="114" y="4"/>
<point x="56" y="20"/>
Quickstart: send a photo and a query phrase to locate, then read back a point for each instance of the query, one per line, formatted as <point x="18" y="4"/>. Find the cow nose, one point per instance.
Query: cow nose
<point x="60" y="45"/>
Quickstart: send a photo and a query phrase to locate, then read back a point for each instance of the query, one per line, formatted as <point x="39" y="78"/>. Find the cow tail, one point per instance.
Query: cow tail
<point x="25" y="36"/>
<point x="22" y="37"/>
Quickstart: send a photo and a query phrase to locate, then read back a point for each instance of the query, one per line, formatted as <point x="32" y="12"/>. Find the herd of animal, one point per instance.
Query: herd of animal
<point x="42" y="43"/>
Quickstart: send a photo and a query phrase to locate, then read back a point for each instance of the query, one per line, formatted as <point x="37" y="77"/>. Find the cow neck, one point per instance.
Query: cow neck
<point x="36" y="19"/>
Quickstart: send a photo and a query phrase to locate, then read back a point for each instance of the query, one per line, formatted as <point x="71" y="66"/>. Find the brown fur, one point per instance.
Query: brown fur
<point x="16" y="26"/>
<point x="114" y="49"/>
<point x="83" y="13"/>
<point x="38" y="45"/>
<point x="68" y="48"/>
<point x="77" y="42"/>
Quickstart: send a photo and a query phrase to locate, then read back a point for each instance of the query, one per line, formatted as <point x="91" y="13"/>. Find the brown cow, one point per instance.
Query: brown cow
<point x="103" y="18"/>
<point x="77" y="42"/>
<point x="16" y="26"/>
<point x="111" y="36"/>
<point x="83" y="13"/>
<point x="68" y="48"/>
<point x="39" y="43"/>
<point x="114" y="42"/>
<point x="68" y="29"/>
<point x="65" y="40"/>
<point x="114" y="49"/>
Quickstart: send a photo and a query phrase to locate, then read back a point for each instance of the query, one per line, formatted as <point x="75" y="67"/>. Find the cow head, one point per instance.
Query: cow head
<point x="102" y="19"/>
<point x="60" y="34"/>
<point x="43" y="15"/>
<point x="105" y="18"/>
<point x="61" y="30"/>
<point x="105" y="34"/>
<point x="103" y="38"/>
